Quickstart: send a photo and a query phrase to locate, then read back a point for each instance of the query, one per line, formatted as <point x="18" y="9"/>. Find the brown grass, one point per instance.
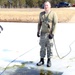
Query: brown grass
<point x="31" y="15"/>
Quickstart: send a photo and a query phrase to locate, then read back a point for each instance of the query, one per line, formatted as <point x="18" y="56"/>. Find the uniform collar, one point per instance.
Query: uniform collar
<point x="47" y="11"/>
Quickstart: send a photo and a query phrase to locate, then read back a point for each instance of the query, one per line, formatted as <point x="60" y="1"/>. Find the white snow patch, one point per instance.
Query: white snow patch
<point x="19" y="40"/>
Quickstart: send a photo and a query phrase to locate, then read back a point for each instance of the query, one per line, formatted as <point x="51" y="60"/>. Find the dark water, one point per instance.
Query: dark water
<point x="30" y="71"/>
<point x="27" y="70"/>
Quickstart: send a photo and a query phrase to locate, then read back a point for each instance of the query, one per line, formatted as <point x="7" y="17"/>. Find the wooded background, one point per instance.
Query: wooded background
<point x="28" y="3"/>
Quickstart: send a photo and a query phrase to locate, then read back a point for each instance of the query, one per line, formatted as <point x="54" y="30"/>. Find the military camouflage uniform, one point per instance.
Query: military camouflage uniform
<point x="47" y="23"/>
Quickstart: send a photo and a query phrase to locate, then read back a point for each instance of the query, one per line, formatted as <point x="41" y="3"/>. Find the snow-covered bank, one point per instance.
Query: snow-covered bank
<point x="19" y="40"/>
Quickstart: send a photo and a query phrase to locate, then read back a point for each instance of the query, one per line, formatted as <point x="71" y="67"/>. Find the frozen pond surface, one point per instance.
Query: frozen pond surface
<point x="19" y="42"/>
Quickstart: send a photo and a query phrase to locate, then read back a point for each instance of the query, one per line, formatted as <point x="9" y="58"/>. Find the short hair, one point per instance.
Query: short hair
<point x="48" y="3"/>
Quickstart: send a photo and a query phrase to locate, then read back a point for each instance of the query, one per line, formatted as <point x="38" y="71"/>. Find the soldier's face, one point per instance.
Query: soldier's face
<point x="47" y="6"/>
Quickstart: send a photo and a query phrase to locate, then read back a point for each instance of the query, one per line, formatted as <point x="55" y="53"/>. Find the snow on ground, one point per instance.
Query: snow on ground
<point x="19" y="41"/>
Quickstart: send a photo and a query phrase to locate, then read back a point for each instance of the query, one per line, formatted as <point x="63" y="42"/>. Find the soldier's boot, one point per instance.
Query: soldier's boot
<point x="41" y="62"/>
<point x="48" y="62"/>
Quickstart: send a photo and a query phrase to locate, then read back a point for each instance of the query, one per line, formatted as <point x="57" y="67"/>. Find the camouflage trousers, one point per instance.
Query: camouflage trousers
<point x="45" y="44"/>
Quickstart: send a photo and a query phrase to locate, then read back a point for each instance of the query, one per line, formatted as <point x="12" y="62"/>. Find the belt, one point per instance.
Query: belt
<point x="43" y="33"/>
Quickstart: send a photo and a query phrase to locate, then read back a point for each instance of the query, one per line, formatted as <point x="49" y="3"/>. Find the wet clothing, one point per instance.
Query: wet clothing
<point x="46" y="26"/>
<point x="47" y="22"/>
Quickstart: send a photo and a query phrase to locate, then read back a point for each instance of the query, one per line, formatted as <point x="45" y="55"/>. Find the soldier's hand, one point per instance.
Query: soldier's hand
<point x="38" y="35"/>
<point x="51" y="36"/>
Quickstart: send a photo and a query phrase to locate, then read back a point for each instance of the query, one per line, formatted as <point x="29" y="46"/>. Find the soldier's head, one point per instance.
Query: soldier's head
<point x="47" y="6"/>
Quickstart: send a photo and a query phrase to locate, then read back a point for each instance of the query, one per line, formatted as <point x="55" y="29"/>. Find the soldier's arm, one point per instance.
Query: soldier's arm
<point x="39" y="24"/>
<point x="54" y="22"/>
